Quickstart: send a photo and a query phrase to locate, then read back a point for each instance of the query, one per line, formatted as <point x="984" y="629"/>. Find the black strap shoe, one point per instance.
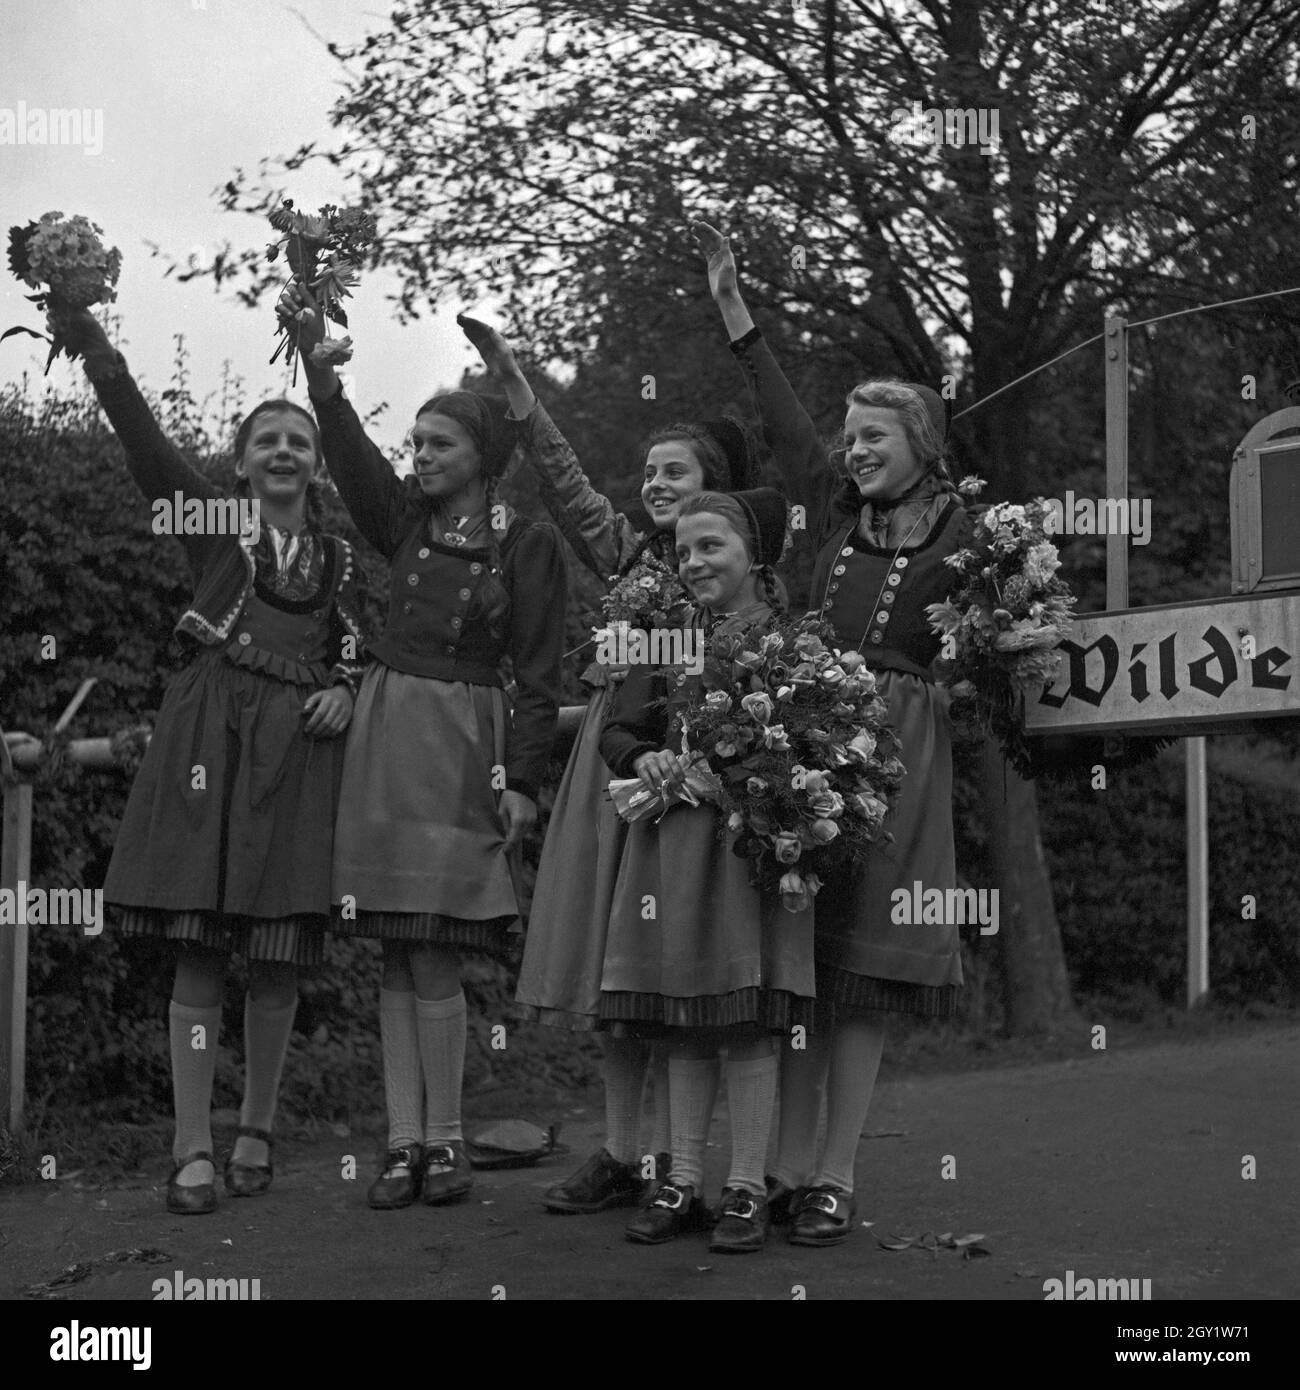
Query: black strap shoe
<point x="742" y="1223"/>
<point x="250" y="1179"/>
<point x="671" y="1211"/>
<point x="399" y="1184"/>
<point x="192" y="1201"/>
<point x="782" y="1201"/>
<point x="448" y="1175"/>
<point x="824" y="1217"/>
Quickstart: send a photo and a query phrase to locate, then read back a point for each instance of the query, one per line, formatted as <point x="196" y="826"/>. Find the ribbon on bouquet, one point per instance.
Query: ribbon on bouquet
<point x="634" y="801"/>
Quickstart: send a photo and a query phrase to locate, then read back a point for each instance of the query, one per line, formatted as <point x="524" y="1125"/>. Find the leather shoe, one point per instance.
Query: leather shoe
<point x="399" y="1184"/>
<point x="600" y="1183"/>
<point x="672" y="1210"/>
<point x="824" y="1217"/>
<point x="250" y="1179"/>
<point x="192" y="1201"/>
<point x="742" y="1223"/>
<point x="782" y="1201"/>
<point x="447" y="1173"/>
<point x="649" y="1186"/>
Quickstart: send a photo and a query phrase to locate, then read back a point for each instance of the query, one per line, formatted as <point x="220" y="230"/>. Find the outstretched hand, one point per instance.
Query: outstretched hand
<point x="716" y="249"/>
<point x="77" y="329"/>
<point x="497" y="354"/>
<point x="297" y="306"/>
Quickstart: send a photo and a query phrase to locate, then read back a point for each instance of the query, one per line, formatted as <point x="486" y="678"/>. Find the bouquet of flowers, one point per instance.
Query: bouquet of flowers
<point x="66" y="255"/>
<point x="324" y="251"/>
<point x="1002" y="626"/>
<point x="647" y="596"/>
<point x="795" y="751"/>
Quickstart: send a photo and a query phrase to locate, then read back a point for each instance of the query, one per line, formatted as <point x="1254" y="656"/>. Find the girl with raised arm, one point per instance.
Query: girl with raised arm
<point x="226" y="840"/>
<point x="884" y="515"/>
<point x="440" y="783"/>
<point x="564" y="955"/>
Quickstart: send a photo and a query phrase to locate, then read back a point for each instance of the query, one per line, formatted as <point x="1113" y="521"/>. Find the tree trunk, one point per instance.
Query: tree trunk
<point x="1035" y="986"/>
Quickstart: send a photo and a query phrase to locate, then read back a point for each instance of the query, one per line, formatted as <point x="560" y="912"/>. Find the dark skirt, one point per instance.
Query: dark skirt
<point x="864" y="959"/>
<point x="419" y="843"/>
<point x="227" y="835"/>
<point x="692" y="944"/>
<point x="564" y="951"/>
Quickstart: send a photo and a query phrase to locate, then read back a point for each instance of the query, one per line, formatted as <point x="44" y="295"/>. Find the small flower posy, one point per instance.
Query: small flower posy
<point x="324" y="251"/>
<point x="67" y="255"/>
<point x="1005" y="622"/>
<point x="801" y="762"/>
<point x="649" y="595"/>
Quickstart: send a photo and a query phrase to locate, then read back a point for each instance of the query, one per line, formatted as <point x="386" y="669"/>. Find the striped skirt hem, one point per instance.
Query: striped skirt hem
<point x="843" y="991"/>
<point x="775" y="1010"/>
<point x="558" y="1018"/>
<point x="300" y="940"/>
<point x="490" y="935"/>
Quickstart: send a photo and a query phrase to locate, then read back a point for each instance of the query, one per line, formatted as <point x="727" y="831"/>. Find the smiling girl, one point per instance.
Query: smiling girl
<point x="888" y="517"/>
<point x="441" y="783"/>
<point x="559" y="981"/>
<point x="694" y="950"/>
<point x="226" y="840"/>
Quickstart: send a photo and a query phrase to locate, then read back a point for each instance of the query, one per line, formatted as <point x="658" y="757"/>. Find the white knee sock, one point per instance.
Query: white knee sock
<point x="441" y="1026"/>
<point x="803" y="1084"/>
<point x="751" y="1094"/>
<point x="401" y="1065"/>
<point x="625" y="1069"/>
<point x="661" y="1132"/>
<point x="194" y="1063"/>
<point x="692" y="1090"/>
<point x="267" y="1030"/>
<point x="855" y="1059"/>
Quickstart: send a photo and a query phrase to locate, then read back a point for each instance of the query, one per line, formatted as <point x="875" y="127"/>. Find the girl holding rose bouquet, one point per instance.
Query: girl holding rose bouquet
<point x="564" y="953"/>
<point x="694" y="948"/>
<point x="885" y="517"/>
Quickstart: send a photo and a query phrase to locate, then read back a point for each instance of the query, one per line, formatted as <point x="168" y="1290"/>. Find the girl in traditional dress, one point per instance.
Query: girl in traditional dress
<point x="694" y="948"/>
<point x="226" y="840"/>
<point x="440" y="783"/>
<point x="559" y="982"/>
<point x="886" y="516"/>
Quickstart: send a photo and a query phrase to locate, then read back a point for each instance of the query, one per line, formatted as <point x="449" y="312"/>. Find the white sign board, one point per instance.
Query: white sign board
<point x="1174" y="667"/>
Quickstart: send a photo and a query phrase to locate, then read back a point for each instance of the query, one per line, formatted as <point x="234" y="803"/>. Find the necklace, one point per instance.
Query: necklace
<point x="845" y="549"/>
<point x="455" y="529"/>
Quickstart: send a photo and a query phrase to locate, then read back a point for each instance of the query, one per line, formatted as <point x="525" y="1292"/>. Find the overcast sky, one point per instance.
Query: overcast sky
<point x="189" y="90"/>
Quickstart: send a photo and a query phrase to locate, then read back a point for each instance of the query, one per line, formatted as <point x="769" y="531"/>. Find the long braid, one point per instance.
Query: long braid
<point x="772" y="591"/>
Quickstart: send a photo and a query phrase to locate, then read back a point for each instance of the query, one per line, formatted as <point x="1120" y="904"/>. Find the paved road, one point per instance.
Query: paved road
<point x="1121" y="1164"/>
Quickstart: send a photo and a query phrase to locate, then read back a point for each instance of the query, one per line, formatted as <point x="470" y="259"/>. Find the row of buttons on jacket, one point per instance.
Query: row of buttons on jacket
<point x="413" y="579"/>
<point x="893" y="579"/>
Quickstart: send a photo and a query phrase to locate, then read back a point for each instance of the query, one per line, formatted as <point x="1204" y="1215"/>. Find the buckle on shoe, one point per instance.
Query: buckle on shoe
<point x="670" y="1198"/>
<point x="822" y="1201"/>
<point x="743" y="1205"/>
<point x="440" y="1156"/>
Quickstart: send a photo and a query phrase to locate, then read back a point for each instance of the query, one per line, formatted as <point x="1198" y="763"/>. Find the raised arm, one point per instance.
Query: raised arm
<point x="787" y="426"/>
<point x="371" y="491"/>
<point x="601" y="537"/>
<point x="154" y="461"/>
<point x="538" y="584"/>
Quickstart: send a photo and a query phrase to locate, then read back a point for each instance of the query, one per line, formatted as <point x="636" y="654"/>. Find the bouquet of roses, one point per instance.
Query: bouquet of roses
<point x="324" y="251"/>
<point x="66" y="255"/>
<point x="1002" y="626"/>
<point x="804" y="768"/>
